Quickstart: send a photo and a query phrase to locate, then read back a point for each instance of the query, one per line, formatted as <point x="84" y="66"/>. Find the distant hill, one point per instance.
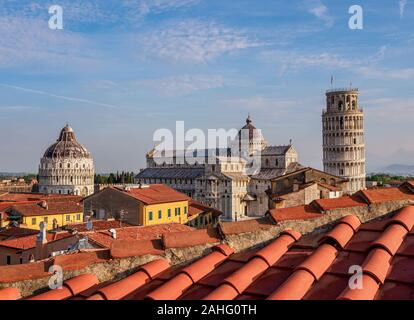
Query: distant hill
<point x="399" y="169"/>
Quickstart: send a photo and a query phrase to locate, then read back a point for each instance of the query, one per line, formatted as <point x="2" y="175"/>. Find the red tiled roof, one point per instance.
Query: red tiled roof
<point x="6" y="205"/>
<point x="329" y="187"/>
<point x="386" y="194"/>
<point x="156" y="193"/>
<point x="252" y="225"/>
<point x="342" y="202"/>
<point x="97" y="225"/>
<point x="294" y="213"/>
<point x="287" y="269"/>
<point x="195" y="207"/>
<point x="28" y="242"/>
<point x="36" y="209"/>
<point x="104" y="238"/>
<point x="17" y="232"/>
<point x="31" y="196"/>
<point x="9" y="294"/>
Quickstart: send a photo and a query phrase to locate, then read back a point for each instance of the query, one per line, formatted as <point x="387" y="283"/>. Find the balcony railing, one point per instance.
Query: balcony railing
<point x="341" y="90"/>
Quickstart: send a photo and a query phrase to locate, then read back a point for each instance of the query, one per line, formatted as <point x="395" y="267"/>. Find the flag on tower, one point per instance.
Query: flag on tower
<point x="331" y="79"/>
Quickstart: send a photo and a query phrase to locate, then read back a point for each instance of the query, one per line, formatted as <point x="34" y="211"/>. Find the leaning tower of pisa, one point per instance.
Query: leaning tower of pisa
<point x="343" y="137"/>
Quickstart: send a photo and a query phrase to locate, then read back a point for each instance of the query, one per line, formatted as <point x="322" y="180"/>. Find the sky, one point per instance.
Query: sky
<point x="121" y="69"/>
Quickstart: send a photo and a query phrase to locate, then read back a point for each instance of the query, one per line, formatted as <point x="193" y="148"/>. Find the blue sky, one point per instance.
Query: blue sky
<point x="120" y="69"/>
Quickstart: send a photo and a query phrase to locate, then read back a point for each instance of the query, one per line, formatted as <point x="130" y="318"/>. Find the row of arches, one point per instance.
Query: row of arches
<point x="343" y="123"/>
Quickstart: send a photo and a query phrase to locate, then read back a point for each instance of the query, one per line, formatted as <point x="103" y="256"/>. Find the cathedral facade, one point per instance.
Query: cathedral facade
<point x="224" y="183"/>
<point x="66" y="167"/>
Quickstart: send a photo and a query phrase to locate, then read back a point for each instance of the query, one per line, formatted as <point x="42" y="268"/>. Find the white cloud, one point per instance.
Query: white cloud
<point x="24" y="41"/>
<point x="319" y="10"/>
<point x="120" y="12"/>
<point x="293" y="61"/>
<point x="403" y="3"/>
<point x="195" y="41"/>
<point x="384" y="73"/>
<point x="183" y="85"/>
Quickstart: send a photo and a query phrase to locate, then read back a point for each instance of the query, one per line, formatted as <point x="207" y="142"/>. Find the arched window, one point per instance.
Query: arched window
<point x="340" y="105"/>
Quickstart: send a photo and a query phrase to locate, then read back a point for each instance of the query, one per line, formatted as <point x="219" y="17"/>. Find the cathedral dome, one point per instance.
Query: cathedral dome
<point x="66" y="146"/>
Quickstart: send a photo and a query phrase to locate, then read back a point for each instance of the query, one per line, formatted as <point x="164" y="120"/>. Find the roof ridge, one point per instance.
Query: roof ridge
<point x="261" y="261"/>
<point x="191" y="274"/>
<point x="313" y="268"/>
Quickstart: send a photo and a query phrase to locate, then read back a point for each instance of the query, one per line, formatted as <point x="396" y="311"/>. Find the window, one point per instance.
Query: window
<point x="169" y="213"/>
<point x="150" y="216"/>
<point x="78" y="216"/>
<point x="33" y="221"/>
<point x="8" y="260"/>
<point x="159" y="214"/>
<point x="67" y="218"/>
<point x="178" y="211"/>
<point x="68" y="165"/>
<point x="185" y="210"/>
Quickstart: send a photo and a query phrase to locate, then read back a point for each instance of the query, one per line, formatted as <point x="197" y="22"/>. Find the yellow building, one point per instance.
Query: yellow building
<point x="55" y="214"/>
<point x="202" y="216"/>
<point x="145" y="205"/>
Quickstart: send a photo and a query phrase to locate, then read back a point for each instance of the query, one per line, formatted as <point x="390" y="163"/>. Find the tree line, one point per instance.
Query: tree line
<point x="115" y="178"/>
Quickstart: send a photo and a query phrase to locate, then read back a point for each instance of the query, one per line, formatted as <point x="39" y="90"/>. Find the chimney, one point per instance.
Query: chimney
<point x="295" y="186"/>
<point x="113" y="233"/>
<point x="44" y="205"/>
<point x="41" y="243"/>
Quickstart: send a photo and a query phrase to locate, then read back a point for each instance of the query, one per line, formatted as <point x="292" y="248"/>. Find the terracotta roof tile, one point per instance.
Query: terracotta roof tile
<point x="189" y="275"/>
<point x="130" y="248"/>
<point x="292" y="269"/>
<point x="405" y="217"/>
<point x="294" y="213"/>
<point x="9" y="293"/>
<point x="190" y="238"/>
<point x="195" y="207"/>
<point x="386" y="194"/>
<point x="97" y="225"/>
<point x="134" y="233"/>
<point x="122" y="288"/>
<point x="237" y="282"/>
<point x="342" y="202"/>
<point x="36" y="209"/>
<point x="29" y="242"/>
<point x="69" y="289"/>
<point x="156" y="193"/>
<point x="238" y="227"/>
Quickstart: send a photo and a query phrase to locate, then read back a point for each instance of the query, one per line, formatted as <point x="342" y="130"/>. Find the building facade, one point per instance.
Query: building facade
<point x="343" y="137"/>
<point x="143" y="205"/>
<point x="219" y="179"/>
<point x="66" y="167"/>
<point x="303" y="186"/>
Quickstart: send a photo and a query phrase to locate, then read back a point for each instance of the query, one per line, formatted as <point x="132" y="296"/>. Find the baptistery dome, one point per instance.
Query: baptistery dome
<point x="66" y="146"/>
<point x="66" y="167"/>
